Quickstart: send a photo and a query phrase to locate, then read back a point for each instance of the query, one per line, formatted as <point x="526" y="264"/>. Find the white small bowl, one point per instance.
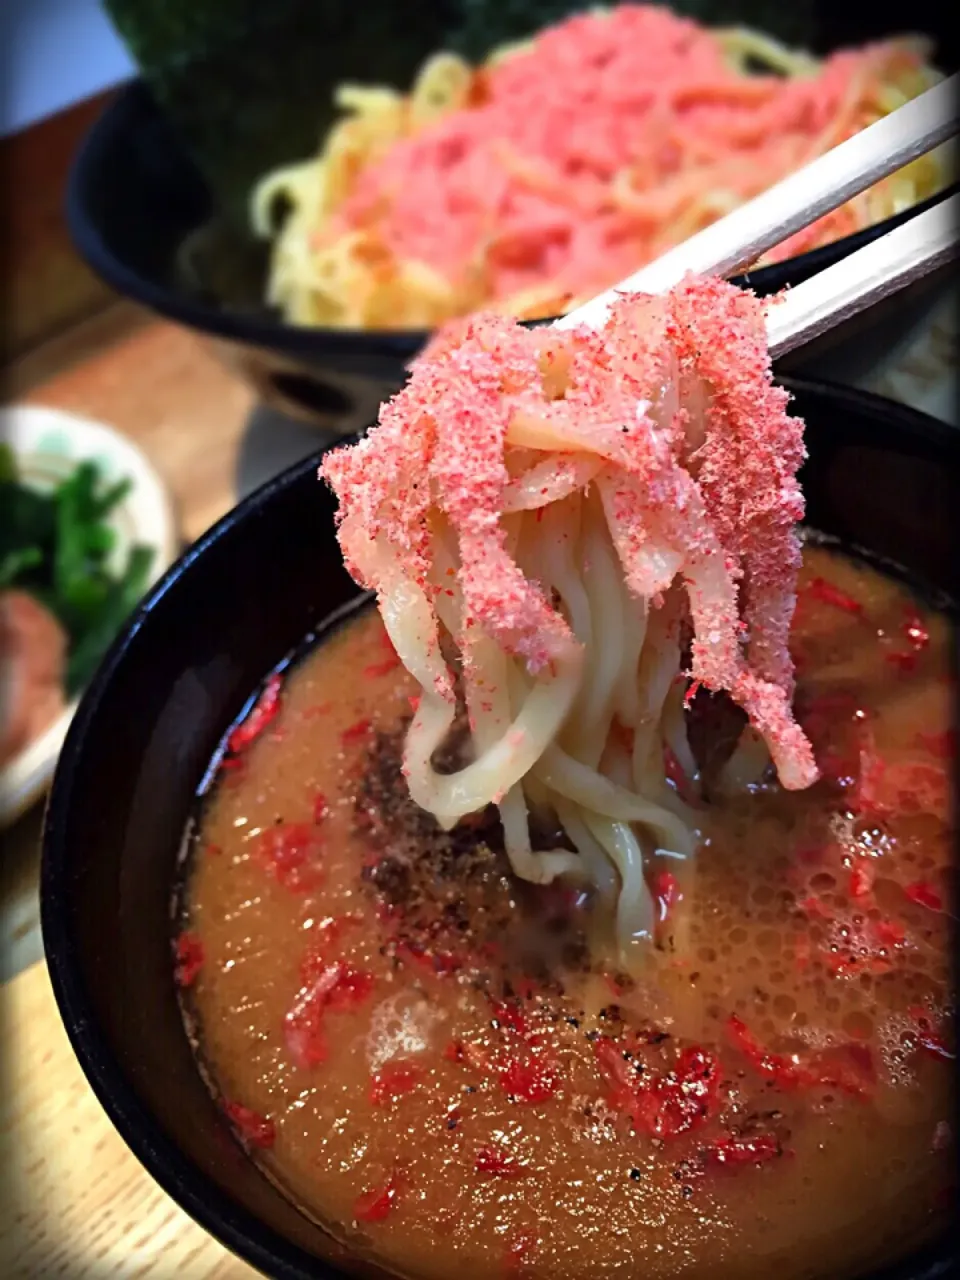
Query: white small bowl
<point x="48" y="444"/>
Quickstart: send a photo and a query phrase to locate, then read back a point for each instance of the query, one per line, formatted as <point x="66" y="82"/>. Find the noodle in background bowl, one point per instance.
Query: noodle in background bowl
<point x="879" y="476"/>
<point x="136" y="202"/>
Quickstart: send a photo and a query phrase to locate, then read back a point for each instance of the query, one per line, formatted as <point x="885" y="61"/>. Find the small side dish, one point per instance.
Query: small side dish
<point x="85" y="529"/>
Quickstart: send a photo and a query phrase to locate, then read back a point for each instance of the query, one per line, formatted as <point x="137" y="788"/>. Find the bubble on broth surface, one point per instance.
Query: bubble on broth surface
<point x="401" y="1025"/>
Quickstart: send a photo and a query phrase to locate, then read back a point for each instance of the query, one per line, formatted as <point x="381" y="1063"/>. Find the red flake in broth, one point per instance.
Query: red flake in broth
<point x="303" y="1035"/>
<point x="812" y="906"/>
<point x="888" y="933"/>
<point x="662" y="1104"/>
<point x="336" y="987"/>
<point x="351" y="988"/>
<point x="356" y="732"/>
<point x="861" y="879"/>
<point x="924" y="895"/>
<point x="787" y="1073"/>
<point x="318" y="959"/>
<point x="189" y="953"/>
<point x="666" y="891"/>
<point x="495" y="1164"/>
<point x="531" y="1080"/>
<point x="289" y="852"/>
<point x="824" y="591"/>
<point x="738" y="1151"/>
<point x="255" y="1130"/>
<point x="393" y="1081"/>
<point x="848" y="1067"/>
<point x="843" y="1068"/>
<point x="265" y="710"/>
<point x="377" y="1203"/>
<point x="377" y="669"/>
<point x="519" y="1254"/>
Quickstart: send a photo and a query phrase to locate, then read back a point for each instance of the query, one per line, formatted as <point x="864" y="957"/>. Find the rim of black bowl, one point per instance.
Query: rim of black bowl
<point x="263" y="330"/>
<point x="214" y="1210"/>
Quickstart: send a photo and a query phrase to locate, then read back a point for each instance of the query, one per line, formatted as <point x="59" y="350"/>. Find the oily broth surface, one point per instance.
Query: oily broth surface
<point x="571" y="1191"/>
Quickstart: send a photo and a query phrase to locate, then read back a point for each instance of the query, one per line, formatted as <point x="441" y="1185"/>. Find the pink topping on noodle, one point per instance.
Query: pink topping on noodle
<point x="747" y="464"/>
<point x="711" y="495"/>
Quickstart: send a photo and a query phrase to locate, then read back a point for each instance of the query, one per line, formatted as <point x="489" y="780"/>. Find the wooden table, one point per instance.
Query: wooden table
<point x="74" y="1201"/>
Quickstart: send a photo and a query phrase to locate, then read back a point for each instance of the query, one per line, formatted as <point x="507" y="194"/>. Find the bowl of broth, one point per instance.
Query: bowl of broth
<point x="349" y="1042"/>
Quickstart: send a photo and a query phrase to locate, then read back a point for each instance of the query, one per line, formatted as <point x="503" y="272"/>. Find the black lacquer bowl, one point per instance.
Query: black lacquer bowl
<point x="879" y="476"/>
<point x="136" y="202"/>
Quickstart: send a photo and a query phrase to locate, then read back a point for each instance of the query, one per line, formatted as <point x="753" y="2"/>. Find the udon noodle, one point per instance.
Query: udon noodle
<point x="559" y="526"/>
<point x="564" y="163"/>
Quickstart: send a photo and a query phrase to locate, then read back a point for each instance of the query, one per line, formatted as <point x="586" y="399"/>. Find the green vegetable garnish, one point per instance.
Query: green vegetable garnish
<point x="56" y="545"/>
<point x="8" y="464"/>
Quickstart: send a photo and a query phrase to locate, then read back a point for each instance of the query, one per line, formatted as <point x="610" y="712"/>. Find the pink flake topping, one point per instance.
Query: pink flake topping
<point x="674" y="396"/>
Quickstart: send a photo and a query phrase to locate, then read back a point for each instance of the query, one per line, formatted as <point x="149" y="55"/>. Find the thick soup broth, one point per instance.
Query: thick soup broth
<point x="451" y="1068"/>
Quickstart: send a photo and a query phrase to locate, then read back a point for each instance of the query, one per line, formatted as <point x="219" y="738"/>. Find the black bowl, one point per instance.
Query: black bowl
<point x="135" y="199"/>
<point x="879" y="476"/>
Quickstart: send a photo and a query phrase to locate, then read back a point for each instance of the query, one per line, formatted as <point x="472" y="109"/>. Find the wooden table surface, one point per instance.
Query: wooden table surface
<point x="74" y="1201"/>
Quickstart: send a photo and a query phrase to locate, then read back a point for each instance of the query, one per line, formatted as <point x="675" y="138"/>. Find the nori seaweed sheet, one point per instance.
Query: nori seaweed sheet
<point x="248" y="84"/>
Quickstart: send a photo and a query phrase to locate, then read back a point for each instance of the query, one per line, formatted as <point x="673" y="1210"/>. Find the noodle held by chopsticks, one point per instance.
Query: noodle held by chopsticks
<point x="565" y="506"/>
